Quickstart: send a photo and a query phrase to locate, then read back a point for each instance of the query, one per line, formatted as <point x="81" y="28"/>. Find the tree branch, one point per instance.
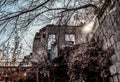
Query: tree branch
<point x="74" y="9"/>
<point x="102" y="10"/>
<point x="22" y="12"/>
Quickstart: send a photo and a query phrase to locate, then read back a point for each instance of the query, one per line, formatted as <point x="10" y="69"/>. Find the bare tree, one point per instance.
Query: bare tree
<point x="19" y="15"/>
<point x="24" y="13"/>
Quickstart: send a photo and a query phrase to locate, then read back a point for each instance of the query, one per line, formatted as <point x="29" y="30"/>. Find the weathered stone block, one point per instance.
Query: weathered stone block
<point x="105" y="46"/>
<point x="109" y="23"/>
<point x="113" y="70"/>
<point x="112" y="40"/>
<point x="117" y="36"/>
<point x="115" y="77"/>
<point x="118" y="67"/>
<point x="118" y="56"/>
<point x="113" y="58"/>
<point x="118" y="45"/>
<point x="109" y="34"/>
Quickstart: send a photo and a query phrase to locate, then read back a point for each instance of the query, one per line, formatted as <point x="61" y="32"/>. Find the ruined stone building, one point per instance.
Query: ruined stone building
<point x="51" y="39"/>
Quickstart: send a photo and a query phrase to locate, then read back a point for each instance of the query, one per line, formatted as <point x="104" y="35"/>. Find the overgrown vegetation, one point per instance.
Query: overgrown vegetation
<point x="83" y="62"/>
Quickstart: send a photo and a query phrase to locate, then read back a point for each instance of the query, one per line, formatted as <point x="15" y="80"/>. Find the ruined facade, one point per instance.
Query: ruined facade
<point x="51" y="39"/>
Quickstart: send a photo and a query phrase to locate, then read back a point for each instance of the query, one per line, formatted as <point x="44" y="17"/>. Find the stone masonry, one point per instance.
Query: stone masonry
<point x="40" y="44"/>
<point x="108" y="37"/>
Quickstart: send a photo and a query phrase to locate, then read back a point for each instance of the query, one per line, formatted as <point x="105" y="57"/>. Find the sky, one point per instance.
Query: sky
<point x="28" y="36"/>
<point x="27" y="39"/>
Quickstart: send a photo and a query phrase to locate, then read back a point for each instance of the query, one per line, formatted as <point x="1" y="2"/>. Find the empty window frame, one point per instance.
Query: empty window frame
<point x="51" y="40"/>
<point x="70" y="39"/>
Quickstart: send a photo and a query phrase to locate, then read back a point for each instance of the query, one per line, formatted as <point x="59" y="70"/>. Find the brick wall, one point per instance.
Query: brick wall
<point x="107" y="37"/>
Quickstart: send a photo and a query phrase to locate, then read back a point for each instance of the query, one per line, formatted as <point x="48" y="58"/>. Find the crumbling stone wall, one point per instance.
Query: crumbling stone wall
<point x="40" y="44"/>
<point x="107" y="37"/>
